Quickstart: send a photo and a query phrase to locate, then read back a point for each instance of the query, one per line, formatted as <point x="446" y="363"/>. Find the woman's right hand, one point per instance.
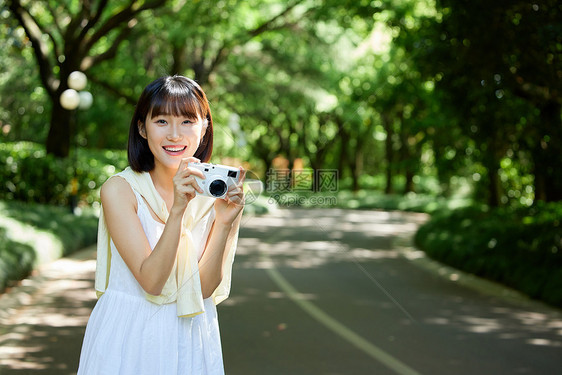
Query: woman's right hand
<point x="185" y="185"/>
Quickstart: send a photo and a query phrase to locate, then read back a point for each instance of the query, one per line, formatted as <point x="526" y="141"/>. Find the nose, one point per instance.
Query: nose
<point x="174" y="133"/>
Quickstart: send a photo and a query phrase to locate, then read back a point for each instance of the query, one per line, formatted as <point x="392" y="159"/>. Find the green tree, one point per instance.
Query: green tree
<point x="73" y="35"/>
<point x="21" y="118"/>
<point x="499" y="65"/>
<point x="392" y="96"/>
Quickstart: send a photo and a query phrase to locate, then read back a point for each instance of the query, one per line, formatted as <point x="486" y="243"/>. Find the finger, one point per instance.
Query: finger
<point x="185" y="161"/>
<point x="237" y="199"/>
<point x="190" y="171"/>
<point x="195" y="171"/>
<point x="189" y="179"/>
<point x="242" y="174"/>
<point x="192" y="181"/>
<point x="232" y="187"/>
<point x="197" y="187"/>
<point x="187" y="190"/>
<point x="182" y="166"/>
<point x="182" y="180"/>
<point x="237" y="188"/>
<point x="192" y="159"/>
<point x="233" y="194"/>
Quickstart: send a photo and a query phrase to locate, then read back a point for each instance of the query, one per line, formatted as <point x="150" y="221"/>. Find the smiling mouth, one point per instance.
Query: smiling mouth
<point x="174" y="149"/>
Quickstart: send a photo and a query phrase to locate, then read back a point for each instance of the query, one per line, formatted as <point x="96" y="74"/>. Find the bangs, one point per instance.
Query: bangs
<point x="175" y="99"/>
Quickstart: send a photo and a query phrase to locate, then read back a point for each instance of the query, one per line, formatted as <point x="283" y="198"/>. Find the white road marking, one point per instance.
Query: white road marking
<point x="338" y="328"/>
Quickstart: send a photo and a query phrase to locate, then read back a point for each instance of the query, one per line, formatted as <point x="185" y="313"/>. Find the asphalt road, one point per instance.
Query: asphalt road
<point x="315" y="292"/>
<point x="343" y="292"/>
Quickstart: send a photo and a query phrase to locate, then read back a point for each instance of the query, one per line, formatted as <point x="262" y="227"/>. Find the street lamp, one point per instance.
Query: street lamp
<point x="72" y="98"/>
<point x="77" y="80"/>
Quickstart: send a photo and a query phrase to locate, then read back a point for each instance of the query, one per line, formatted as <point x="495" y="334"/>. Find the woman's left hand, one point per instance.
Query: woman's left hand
<point x="228" y="208"/>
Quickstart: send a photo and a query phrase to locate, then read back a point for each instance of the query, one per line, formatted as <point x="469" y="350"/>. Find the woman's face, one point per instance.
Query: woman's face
<point x="172" y="138"/>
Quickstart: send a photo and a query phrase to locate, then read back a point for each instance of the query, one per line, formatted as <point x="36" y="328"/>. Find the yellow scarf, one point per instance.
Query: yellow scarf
<point x="186" y="289"/>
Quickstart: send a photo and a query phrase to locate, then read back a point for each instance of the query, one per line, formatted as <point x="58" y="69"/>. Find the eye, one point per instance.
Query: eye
<point x="188" y="122"/>
<point x="161" y="121"/>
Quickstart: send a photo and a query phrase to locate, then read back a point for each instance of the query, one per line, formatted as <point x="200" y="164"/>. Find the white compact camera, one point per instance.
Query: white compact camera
<point x="218" y="178"/>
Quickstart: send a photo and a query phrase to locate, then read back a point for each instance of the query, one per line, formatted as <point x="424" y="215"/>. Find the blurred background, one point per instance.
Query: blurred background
<point x="447" y="107"/>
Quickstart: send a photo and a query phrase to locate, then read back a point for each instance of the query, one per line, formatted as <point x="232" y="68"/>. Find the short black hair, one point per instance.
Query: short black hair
<point x="171" y="95"/>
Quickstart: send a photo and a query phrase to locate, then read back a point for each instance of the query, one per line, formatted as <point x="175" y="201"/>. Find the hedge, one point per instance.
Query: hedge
<point x="519" y="247"/>
<point x="28" y="174"/>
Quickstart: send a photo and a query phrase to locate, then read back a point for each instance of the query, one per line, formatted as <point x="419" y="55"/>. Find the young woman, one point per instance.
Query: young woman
<point x="164" y="253"/>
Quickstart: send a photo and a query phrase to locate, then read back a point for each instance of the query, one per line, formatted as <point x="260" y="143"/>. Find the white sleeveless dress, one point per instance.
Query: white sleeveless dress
<point x="129" y="335"/>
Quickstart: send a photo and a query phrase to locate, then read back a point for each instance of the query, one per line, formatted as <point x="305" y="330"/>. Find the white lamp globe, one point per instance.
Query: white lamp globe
<point x="86" y="99"/>
<point x="70" y="99"/>
<point x="77" y="80"/>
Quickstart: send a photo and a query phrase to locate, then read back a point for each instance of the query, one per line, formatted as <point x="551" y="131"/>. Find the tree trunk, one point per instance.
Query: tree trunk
<point x="356" y="171"/>
<point x="58" y="139"/>
<point x="549" y="163"/>
<point x="179" y="59"/>
<point x="411" y="164"/>
<point x="406" y="157"/>
<point x="268" y="163"/>
<point x="492" y="167"/>
<point x="540" y="182"/>
<point x="442" y="171"/>
<point x="316" y="162"/>
<point x="389" y="152"/>
<point x="343" y="160"/>
<point x="409" y="185"/>
<point x="493" y="187"/>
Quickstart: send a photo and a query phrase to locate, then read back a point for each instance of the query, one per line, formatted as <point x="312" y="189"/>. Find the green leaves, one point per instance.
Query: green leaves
<point x="31" y="175"/>
<point x="410" y="89"/>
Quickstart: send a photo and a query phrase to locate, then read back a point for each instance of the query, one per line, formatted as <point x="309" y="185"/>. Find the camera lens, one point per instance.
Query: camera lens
<point x="217" y="188"/>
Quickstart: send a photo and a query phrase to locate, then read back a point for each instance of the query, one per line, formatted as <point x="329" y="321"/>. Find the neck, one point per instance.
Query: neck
<point x="162" y="179"/>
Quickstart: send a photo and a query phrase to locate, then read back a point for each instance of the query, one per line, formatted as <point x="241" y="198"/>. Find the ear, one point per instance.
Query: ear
<point x="142" y="129"/>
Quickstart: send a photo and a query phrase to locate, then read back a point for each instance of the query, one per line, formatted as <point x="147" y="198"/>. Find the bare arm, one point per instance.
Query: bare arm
<point x="150" y="268"/>
<point x="211" y="264"/>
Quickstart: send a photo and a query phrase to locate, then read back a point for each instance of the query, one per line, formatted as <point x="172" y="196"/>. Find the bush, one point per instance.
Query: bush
<point x="33" y="234"/>
<point x="16" y="260"/>
<point x="30" y="175"/>
<point x="519" y="247"/>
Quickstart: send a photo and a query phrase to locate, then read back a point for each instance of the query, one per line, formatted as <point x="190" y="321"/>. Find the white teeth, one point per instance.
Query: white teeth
<point x="174" y="149"/>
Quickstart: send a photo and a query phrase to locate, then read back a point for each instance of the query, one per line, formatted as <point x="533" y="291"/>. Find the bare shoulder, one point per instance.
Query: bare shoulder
<point x="116" y="192"/>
